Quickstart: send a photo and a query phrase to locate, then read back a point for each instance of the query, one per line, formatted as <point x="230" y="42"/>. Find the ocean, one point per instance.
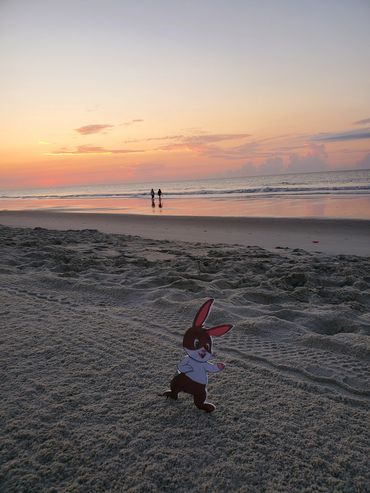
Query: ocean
<point x="321" y="194"/>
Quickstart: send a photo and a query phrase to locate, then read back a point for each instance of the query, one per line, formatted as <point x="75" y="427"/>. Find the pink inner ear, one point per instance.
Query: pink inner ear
<point x="220" y="330"/>
<point x="202" y="313"/>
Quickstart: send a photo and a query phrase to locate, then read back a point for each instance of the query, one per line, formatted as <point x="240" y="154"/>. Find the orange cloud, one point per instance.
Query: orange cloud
<point x="89" y="149"/>
<point x="97" y="128"/>
<point x="92" y="129"/>
<point x="132" y="122"/>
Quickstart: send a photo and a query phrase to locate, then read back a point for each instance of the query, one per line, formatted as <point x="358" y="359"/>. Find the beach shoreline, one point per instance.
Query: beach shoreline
<point x="331" y="236"/>
<point x="296" y="205"/>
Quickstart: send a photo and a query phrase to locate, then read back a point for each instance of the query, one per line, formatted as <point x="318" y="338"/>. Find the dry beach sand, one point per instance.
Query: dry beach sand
<point x="91" y="332"/>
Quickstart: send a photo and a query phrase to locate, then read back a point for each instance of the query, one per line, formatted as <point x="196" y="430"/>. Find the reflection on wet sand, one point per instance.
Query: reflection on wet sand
<point x="325" y="206"/>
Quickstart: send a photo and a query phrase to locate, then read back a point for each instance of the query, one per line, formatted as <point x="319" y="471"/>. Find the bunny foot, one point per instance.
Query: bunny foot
<point x="207" y="407"/>
<point x="169" y="393"/>
<point x="199" y="401"/>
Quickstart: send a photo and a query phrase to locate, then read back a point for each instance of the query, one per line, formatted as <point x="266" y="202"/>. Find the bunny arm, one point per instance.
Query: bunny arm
<point x="197" y="370"/>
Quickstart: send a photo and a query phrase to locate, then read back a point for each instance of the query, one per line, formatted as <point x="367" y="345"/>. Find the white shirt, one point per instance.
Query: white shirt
<point x="197" y="370"/>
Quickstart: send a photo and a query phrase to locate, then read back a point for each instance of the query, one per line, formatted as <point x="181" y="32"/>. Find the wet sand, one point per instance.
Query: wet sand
<point x="335" y="236"/>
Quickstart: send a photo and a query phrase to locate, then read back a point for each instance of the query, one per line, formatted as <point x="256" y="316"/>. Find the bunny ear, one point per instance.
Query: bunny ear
<point x="202" y="314"/>
<point x="220" y="330"/>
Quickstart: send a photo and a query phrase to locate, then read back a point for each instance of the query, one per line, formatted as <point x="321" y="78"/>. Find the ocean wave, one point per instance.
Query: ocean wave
<point x="266" y="190"/>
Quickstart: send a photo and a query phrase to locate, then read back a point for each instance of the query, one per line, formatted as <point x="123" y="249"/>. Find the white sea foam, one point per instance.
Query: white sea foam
<point x="344" y="182"/>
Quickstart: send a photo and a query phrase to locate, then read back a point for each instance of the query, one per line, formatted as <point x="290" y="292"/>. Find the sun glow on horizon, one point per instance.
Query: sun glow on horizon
<point x="124" y="92"/>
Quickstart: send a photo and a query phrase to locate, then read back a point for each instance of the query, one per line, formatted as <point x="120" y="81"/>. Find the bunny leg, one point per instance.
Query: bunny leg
<point x="175" y="388"/>
<point x="199" y="401"/>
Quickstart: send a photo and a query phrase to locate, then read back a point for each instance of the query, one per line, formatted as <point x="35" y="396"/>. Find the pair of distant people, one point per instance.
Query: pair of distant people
<point x="159" y="193"/>
<point x="152" y="193"/>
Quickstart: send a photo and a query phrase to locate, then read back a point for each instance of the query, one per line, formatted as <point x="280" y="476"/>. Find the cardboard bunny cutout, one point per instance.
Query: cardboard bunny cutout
<point x="192" y="376"/>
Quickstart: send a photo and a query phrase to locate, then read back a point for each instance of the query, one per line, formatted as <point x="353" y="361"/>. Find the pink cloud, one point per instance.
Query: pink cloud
<point x="364" y="163"/>
<point x="365" y="121"/>
<point x="93" y="129"/>
<point x="89" y="149"/>
<point x="200" y="143"/>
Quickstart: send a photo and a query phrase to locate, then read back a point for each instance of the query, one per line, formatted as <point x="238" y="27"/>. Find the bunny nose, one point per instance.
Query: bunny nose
<point x="202" y="352"/>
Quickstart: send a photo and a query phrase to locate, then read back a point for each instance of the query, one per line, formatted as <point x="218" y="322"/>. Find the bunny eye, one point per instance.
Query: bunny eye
<point x="196" y="343"/>
<point x="208" y="347"/>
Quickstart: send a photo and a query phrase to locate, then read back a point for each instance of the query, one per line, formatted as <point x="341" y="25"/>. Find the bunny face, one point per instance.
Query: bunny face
<point x="198" y="344"/>
<point x="197" y="340"/>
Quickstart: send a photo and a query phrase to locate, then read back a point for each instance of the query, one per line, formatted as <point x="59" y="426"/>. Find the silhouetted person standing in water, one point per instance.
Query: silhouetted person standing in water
<point x="152" y="193"/>
<point x="160" y="197"/>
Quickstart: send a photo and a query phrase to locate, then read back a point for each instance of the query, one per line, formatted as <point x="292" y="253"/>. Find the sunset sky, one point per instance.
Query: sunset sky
<point x="103" y="91"/>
